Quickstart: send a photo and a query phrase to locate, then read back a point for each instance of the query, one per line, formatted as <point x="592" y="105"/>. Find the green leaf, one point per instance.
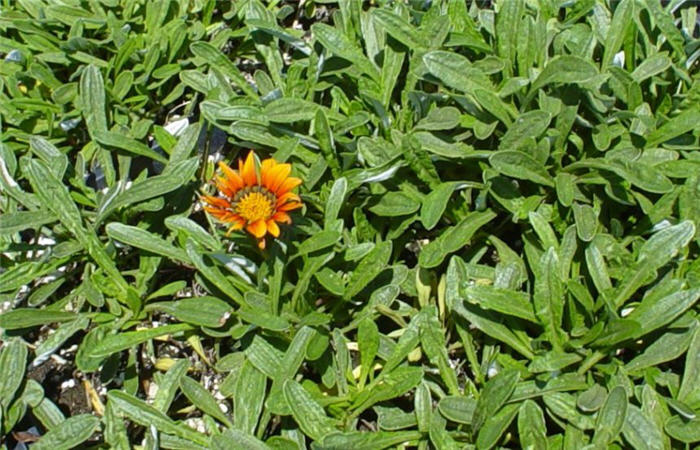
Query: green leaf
<point x="319" y="241"/>
<point x="288" y="110"/>
<point x="398" y="28"/>
<point x="203" y="399"/>
<point x="531" y="426"/>
<point x="611" y="417"/>
<point x="216" y="59"/>
<point x="687" y="431"/>
<point x="494" y="395"/>
<point x="13" y="360"/>
<point x="520" y="165"/>
<point x="248" y="398"/>
<point x="528" y="125"/>
<point x="368" y="269"/>
<point x="624" y="14"/>
<point x="242" y="440"/>
<point x="434" y="204"/>
<point x="169" y="384"/>
<point x="368" y="343"/>
<point x="394" y="204"/>
<point x="456" y="71"/>
<point x="495" y="425"/>
<point x="121" y="341"/>
<point x="92" y="98"/>
<point x="176" y="176"/>
<point x="457" y="409"/>
<point x="29" y="317"/>
<point x="504" y="301"/>
<point x="640" y="431"/>
<point x="664" y="22"/>
<point x="549" y="296"/>
<point x="144" y="414"/>
<point x="654" y="313"/>
<point x="568" y="69"/>
<point x="204" y="311"/>
<point x="11" y="223"/>
<point x="310" y="416"/>
<point x="68" y="434"/>
<point x="140" y="238"/>
<point x="339" y="44"/>
<point x="668" y="347"/>
<point x="453" y="238"/>
<point x="691" y="371"/>
<point x="358" y="440"/>
<point x="335" y="202"/>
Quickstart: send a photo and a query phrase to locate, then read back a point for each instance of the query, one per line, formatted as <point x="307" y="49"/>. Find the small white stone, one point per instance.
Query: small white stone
<point x="68" y="384"/>
<point x="619" y="59"/>
<point x="177" y="127"/>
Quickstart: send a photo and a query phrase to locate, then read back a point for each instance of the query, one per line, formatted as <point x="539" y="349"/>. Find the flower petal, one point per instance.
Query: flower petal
<point x="278" y="175"/>
<point x="235" y="182"/>
<point x="261" y="243"/>
<point x="257" y="228"/>
<point x="288" y="184"/>
<point x="289" y="206"/>
<point x="250" y="178"/>
<point x="223" y="185"/>
<point x="281" y="216"/>
<point x="216" y="202"/>
<point x="237" y="222"/>
<point x="272" y="228"/>
<point x="265" y="168"/>
<point x="286" y="197"/>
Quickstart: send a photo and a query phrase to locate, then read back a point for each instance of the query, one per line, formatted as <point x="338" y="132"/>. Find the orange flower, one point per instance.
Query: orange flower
<point x="256" y="203"/>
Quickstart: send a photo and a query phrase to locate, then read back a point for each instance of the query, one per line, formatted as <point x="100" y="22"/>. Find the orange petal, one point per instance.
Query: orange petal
<point x="289" y="206"/>
<point x="261" y="244"/>
<point x="218" y="213"/>
<point x="235" y="182"/>
<point x="257" y="228"/>
<point x="272" y="228"/>
<point x="281" y="216"/>
<point x="288" y="184"/>
<point x="248" y="170"/>
<point x="216" y="202"/>
<point x="286" y="197"/>
<point x="277" y="176"/>
<point x="224" y="187"/>
<point x="238" y="223"/>
<point x="265" y="168"/>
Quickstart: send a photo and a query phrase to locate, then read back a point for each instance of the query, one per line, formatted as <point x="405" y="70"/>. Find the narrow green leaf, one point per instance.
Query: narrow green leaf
<point x="146" y="415"/>
<point x="92" y="98"/>
<point x="624" y="14"/>
<point x="121" y="341"/>
<point x="216" y="59"/>
<point x="203" y="400"/>
<point x="434" y="204"/>
<point x="611" y="417"/>
<point x="494" y="395"/>
<point x="68" y="434"/>
<point x="142" y="239"/>
<point x="520" y="165"/>
<point x="531" y="426"/>
<point x="310" y="416"/>
<point x="13" y="360"/>
<point x="370" y="266"/>
<point x="495" y="425"/>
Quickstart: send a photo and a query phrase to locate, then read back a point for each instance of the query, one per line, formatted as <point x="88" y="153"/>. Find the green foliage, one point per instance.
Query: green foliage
<point x="498" y="245"/>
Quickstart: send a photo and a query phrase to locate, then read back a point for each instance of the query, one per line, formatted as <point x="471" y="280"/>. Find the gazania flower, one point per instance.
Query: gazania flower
<point x="256" y="202"/>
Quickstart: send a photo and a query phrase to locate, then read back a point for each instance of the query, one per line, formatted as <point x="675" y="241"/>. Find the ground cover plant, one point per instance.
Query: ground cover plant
<point x="493" y="242"/>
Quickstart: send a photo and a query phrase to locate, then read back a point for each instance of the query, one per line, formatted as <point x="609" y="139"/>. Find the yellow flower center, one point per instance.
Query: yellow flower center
<point x="256" y="203"/>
